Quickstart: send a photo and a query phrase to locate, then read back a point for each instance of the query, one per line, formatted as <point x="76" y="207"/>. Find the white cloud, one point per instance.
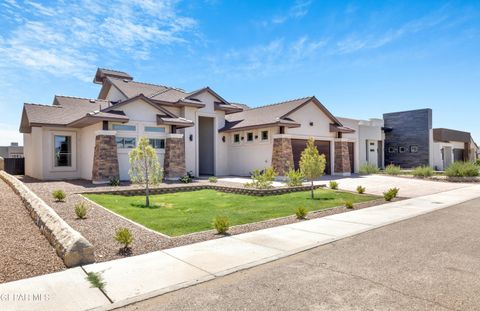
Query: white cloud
<point x="71" y="38"/>
<point x="298" y="10"/>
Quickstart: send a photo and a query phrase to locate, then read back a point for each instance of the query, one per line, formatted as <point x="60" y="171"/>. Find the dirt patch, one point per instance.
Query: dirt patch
<point x="24" y="251"/>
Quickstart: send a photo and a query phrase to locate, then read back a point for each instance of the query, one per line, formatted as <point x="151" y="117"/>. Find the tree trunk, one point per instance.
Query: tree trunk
<point x="312" y="188"/>
<point x="147" y="195"/>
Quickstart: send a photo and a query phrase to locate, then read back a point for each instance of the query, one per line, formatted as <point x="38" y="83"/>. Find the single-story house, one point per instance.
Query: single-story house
<point x="196" y="131"/>
<point x="411" y="141"/>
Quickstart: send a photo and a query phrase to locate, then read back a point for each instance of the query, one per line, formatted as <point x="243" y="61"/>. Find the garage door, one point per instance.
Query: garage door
<point x="298" y="145"/>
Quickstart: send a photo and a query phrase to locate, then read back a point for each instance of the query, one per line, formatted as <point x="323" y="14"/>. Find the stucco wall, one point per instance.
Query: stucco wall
<point x="33" y="154"/>
<point x="114" y="94"/>
<point x="86" y="143"/>
<point x="437" y="152"/>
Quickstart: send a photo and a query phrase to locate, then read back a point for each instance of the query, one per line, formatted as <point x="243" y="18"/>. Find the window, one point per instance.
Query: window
<point x="236" y="138"/>
<point x="264" y="135"/>
<point x="401" y="149"/>
<point x="157" y="143"/>
<point x="126" y="142"/>
<point x="391" y="150"/>
<point x="63" y="150"/>
<point x="250" y="136"/>
<point x="413" y="148"/>
<point x="154" y="129"/>
<point x="123" y="127"/>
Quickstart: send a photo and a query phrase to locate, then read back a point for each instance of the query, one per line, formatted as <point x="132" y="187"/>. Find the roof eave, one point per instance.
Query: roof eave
<point x="257" y="126"/>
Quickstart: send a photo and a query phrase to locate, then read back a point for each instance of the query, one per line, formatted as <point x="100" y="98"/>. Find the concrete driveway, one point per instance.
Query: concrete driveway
<point x="425" y="263"/>
<point x="377" y="184"/>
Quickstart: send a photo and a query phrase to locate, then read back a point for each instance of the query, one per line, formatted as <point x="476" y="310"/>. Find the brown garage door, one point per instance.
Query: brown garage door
<point x="298" y="145"/>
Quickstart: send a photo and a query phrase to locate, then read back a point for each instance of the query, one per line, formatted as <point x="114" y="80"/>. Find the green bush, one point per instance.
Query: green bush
<point x="462" y="169"/>
<point x="59" y="195"/>
<point x="81" y="210"/>
<point x="212" y="179"/>
<point x="477" y="162"/>
<point x="114" y="181"/>
<point x="361" y="190"/>
<point x="391" y="194"/>
<point x="301" y="212"/>
<point x="124" y="237"/>
<point x="294" y="178"/>
<point x="367" y="169"/>
<point x="393" y="170"/>
<point x="186" y="179"/>
<point x="422" y="171"/>
<point x="333" y="185"/>
<point x="221" y="224"/>
<point x="349" y="204"/>
<point x="262" y="179"/>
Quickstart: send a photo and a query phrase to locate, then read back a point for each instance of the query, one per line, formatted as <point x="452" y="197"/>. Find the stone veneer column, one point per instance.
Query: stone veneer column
<point x="105" y="158"/>
<point x="282" y="154"/>
<point x="174" y="161"/>
<point x="342" y="159"/>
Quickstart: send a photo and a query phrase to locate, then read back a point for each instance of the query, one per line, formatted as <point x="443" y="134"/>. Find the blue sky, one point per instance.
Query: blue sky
<point x="360" y="58"/>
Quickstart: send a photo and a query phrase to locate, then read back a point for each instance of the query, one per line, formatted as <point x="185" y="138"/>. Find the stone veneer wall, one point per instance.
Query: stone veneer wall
<point x="342" y="158"/>
<point x="105" y="159"/>
<point x="174" y="161"/>
<point x="282" y="155"/>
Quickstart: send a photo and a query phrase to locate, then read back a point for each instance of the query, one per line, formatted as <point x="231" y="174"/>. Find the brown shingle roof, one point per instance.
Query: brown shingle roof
<point x="153" y="91"/>
<point x="103" y="73"/>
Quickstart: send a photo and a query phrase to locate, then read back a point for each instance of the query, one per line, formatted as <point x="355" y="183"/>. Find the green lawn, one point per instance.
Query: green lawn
<point x="181" y="213"/>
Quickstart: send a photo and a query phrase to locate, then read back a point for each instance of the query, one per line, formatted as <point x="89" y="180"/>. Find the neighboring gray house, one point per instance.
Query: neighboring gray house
<point x="411" y="141"/>
<point x="12" y="151"/>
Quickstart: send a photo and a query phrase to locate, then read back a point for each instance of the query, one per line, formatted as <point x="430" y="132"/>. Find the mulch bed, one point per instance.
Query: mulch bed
<point x="24" y="251"/>
<point x="100" y="225"/>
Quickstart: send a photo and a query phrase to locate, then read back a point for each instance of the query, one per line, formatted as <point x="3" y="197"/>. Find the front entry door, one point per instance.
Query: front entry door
<point x="447" y="157"/>
<point x="372" y="152"/>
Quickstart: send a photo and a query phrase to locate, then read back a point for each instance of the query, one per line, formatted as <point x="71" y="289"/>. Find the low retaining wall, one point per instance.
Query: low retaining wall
<point x="196" y="187"/>
<point x="69" y="244"/>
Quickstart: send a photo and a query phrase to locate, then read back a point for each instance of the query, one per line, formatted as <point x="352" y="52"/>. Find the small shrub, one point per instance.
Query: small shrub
<point x="477" y="162"/>
<point x="391" y="194"/>
<point x="422" y="171"/>
<point x="262" y="179"/>
<point x="81" y="210"/>
<point x="349" y="204"/>
<point x="96" y="280"/>
<point x="114" y="181"/>
<point x="221" y="224"/>
<point x="294" y="178"/>
<point x="393" y="170"/>
<point x="301" y="212"/>
<point x="124" y="237"/>
<point x="462" y="169"/>
<point x="368" y="169"/>
<point x="186" y="179"/>
<point x="333" y="185"/>
<point x="212" y="179"/>
<point x="59" y="195"/>
<point x="361" y="190"/>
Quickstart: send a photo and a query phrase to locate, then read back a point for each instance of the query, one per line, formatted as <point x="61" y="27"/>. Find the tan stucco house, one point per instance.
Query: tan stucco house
<point x="196" y="131"/>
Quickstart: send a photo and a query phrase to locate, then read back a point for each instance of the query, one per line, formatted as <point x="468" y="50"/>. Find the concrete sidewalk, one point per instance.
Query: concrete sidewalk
<point x="140" y="277"/>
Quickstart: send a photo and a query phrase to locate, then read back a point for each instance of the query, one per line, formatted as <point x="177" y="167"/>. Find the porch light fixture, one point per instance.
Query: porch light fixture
<point x="311" y="123"/>
<point x="190" y="137"/>
<point x="223" y="138"/>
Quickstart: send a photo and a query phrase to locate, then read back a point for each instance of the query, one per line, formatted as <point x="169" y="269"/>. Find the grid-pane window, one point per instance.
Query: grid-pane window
<point x="154" y="129"/>
<point x="157" y="143"/>
<point x="126" y="142"/>
<point x="236" y="138"/>
<point x="124" y="127"/>
<point x="63" y="150"/>
<point x="264" y="135"/>
<point x="250" y="136"/>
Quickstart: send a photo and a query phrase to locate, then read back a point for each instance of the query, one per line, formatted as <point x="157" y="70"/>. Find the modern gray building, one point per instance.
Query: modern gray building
<point x="12" y="151"/>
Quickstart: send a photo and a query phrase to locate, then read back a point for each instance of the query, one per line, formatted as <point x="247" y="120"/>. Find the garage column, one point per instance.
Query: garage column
<point x="174" y="162"/>
<point x="105" y="158"/>
<point x="282" y="154"/>
<point x="342" y="158"/>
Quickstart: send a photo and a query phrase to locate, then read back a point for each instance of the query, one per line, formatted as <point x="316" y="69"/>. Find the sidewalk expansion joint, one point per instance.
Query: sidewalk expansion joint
<point x="100" y="289"/>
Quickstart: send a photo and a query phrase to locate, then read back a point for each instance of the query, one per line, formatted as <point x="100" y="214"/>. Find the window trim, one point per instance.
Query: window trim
<point x="159" y="139"/>
<point x="253" y="137"/>
<point x="124" y="125"/>
<point x="234" y="136"/>
<point x="268" y="135"/>
<point x="123" y="144"/>
<point x="162" y="129"/>
<point x="51" y="146"/>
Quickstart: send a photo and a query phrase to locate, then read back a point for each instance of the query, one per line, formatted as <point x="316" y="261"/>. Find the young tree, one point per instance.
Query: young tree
<point x="144" y="167"/>
<point x="312" y="164"/>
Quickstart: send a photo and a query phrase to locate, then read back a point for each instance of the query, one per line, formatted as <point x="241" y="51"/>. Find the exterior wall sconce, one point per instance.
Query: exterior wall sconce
<point x="190" y="137"/>
<point x="311" y="123"/>
<point x="243" y="138"/>
<point x="223" y="138"/>
<point x="256" y="136"/>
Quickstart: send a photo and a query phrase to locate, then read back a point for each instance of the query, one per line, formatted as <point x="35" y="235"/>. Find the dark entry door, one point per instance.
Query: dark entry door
<point x="206" y="138"/>
<point x="323" y="147"/>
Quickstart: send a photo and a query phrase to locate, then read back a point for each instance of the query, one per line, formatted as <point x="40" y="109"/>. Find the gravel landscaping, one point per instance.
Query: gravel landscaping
<point x="100" y="224"/>
<point x="24" y="251"/>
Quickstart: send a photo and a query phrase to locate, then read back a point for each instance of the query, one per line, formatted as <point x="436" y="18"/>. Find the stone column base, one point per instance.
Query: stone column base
<point x="105" y="158"/>
<point x="282" y="154"/>
<point x="342" y="159"/>
<point x="174" y="161"/>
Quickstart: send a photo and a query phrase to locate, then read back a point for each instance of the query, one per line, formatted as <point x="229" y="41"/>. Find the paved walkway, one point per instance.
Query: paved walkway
<point x="377" y="184"/>
<point x="141" y="277"/>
